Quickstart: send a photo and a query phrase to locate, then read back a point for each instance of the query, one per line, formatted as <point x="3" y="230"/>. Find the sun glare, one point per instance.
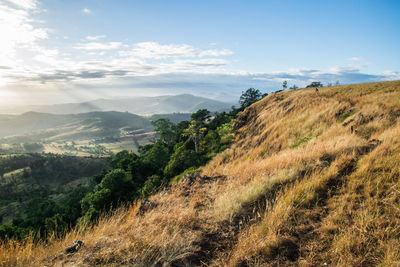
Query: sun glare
<point x="3" y="81"/>
<point x="7" y="97"/>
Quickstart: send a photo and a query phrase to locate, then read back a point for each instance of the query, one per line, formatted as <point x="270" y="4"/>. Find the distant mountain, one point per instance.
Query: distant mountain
<point x="34" y="126"/>
<point x="185" y="103"/>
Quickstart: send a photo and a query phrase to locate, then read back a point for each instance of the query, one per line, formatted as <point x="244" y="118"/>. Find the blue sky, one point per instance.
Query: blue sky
<point x="55" y="51"/>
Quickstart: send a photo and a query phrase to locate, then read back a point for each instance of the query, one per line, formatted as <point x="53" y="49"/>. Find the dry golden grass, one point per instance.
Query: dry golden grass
<point x="368" y="211"/>
<point x="234" y="199"/>
<point x="264" y="239"/>
<point x="304" y="183"/>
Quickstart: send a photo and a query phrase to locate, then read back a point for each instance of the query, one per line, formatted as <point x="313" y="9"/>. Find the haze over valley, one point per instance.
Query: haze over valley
<point x="185" y="103"/>
<point x="100" y="127"/>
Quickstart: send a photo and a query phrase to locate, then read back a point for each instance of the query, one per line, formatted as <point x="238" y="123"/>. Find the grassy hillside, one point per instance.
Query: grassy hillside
<point x="311" y="179"/>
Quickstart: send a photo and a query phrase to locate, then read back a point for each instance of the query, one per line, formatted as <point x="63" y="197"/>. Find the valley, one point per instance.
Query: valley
<point x="86" y="134"/>
<point x="99" y="128"/>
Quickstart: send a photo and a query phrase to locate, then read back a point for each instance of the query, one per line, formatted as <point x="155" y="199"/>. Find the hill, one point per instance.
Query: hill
<point x="95" y="124"/>
<point x="93" y="133"/>
<point x="138" y="105"/>
<point x="311" y="179"/>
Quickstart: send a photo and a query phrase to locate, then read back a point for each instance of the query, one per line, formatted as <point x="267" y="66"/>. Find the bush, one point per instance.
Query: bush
<point x="181" y="159"/>
<point x="152" y="185"/>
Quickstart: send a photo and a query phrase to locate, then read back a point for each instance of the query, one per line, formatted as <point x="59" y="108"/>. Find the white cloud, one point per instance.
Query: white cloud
<point x="99" y="46"/>
<point x="130" y="76"/>
<point x="390" y="75"/>
<point x="158" y="51"/>
<point x="47" y="56"/>
<point x="95" y="37"/>
<point x="206" y="63"/>
<point x="96" y="53"/>
<point x="26" y="4"/>
<point x="155" y="50"/>
<point x="340" y="69"/>
<point x="86" y="10"/>
<point x="215" y="53"/>
<point x="19" y="30"/>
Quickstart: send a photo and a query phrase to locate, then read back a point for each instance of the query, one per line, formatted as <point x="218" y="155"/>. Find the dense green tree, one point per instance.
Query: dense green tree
<point x="225" y="131"/>
<point x="201" y="115"/>
<point x="315" y="84"/>
<point x="113" y="180"/>
<point x="249" y="97"/>
<point x="94" y="203"/>
<point x="179" y="132"/>
<point x="56" y="223"/>
<point x="71" y="204"/>
<point x="152" y="184"/>
<point x="166" y="130"/>
<point x="212" y="140"/>
<point x="219" y="119"/>
<point x="181" y="159"/>
<point x="157" y="157"/>
<point x="115" y="187"/>
<point x="196" y="133"/>
<point x="8" y="231"/>
<point x="117" y="161"/>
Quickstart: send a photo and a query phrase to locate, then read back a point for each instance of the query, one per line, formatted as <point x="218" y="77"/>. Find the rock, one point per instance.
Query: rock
<point x="76" y="245"/>
<point x="190" y="178"/>
<point x="145" y="206"/>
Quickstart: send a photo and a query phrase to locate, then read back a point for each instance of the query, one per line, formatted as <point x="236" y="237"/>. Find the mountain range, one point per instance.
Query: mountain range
<point x="138" y="105"/>
<point x="35" y="126"/>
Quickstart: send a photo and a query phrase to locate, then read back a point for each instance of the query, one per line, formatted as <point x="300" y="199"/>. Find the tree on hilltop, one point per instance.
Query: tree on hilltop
<point x="250" y="96"/>
<point x="284" y="85"/>
<point x="315" y="84"/>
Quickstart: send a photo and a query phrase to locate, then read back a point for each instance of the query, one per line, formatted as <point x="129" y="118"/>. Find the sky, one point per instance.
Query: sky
<point x="57" y="51"/>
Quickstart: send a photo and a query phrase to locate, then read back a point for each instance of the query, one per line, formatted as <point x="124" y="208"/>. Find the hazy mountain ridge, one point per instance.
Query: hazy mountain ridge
<point x="32" y="122"/>
<point x="94" y="133"/>
<point x="138" y="105"/>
